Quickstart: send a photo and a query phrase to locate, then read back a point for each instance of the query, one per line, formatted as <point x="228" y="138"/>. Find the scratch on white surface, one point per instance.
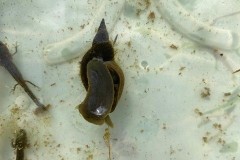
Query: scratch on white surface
<point x="78" y="44"/>
<point x="196" y="30"/>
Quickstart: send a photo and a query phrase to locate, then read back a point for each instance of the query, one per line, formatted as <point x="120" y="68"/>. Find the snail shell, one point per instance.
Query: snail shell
<point x="118" y="81"/>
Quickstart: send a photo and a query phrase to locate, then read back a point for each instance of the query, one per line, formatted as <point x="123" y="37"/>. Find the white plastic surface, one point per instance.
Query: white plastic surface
<point x="180" y="100"/>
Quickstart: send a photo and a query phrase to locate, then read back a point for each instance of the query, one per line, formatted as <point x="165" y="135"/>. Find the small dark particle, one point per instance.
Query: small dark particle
<point x="204" y="81"/>
<point x="53" y="84"/>
<point x="82" y="26"/>
<point x="70" y="28"/>
<point x="172" y="151"/>
<point x="173" y="46"/>
<point x="206" y="92"/>
<point x="227" y="94"/>
<point x="182" y="68"/>
<point x="221" y="141"/>
<point x="138" y="12"/>
<point x="148" y="3"/>
<point x="217" y="126"/>
<point x="78" y="149"/>
<point x="151" y="16"/>
<point x="90" y="157"/>
<point x="197" y="111"/>
<point x="236" y="71"/>
<point x="129" y="44"/>
<point x="164" y="126"/>
<point x="205" y="139"/>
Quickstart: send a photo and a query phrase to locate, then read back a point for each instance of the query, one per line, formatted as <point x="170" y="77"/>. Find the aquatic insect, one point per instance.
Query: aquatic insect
<point x="20" y="143"/>
<point x="7" y="63"/>
<point x="102" y="78"/>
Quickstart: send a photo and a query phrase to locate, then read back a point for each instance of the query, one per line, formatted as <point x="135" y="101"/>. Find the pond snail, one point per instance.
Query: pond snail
<point x="102" y="78"/>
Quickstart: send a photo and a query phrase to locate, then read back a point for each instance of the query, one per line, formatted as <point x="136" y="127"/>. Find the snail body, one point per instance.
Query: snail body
<point x="100" y="93"/>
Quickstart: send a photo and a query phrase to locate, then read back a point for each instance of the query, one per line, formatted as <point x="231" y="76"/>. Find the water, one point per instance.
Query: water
<point x="180" y="100"/>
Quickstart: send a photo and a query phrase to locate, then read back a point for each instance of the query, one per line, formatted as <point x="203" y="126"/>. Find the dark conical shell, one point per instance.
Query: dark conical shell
<point x="102" y="34"/>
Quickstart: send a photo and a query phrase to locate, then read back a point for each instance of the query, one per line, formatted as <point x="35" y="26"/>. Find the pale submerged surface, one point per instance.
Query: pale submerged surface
<point x="180" y="100"/>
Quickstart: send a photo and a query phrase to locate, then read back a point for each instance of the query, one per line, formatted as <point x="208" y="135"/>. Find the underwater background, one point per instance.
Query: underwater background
<point x="180" y="61"/>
